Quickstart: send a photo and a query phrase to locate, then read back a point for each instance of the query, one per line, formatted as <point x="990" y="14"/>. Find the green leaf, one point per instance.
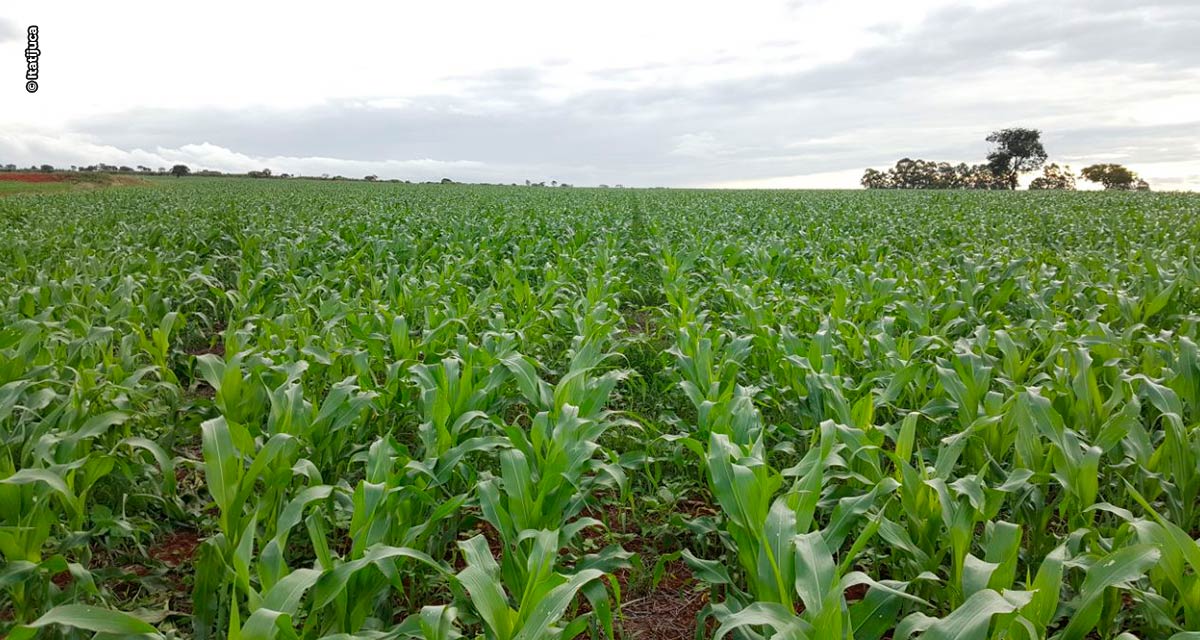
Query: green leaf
<point x="333" y="582"/>
<point x="44" y="476"/>
<point x="88" y="618"/>
<point x="221" y="462"/>
<point x="166" y="465"/>
<point x="549" y="609"/>
<point x="1116" y="569"/>
<point x="286" y="594"/>
<point x="707" y="571"/>
<point x="969" y="621"/>
<point x="776" y="616"/>
<point x="481" y="579"/>
<point x="815" y="570"/>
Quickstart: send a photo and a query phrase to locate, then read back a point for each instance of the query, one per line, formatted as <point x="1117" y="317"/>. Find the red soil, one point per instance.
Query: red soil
<point x="177" y="549"/>
<point x="33" y="177"/>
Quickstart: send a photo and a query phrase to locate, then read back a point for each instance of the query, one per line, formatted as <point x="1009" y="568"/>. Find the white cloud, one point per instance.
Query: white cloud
<point x="63" y="151"/>
<point x="826" y="180"/>
<point x="1165" y="176"/>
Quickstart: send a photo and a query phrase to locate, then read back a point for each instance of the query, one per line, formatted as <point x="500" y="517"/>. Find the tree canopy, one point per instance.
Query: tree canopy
<point x="1015" y="151"/>
<point x="1114" y="177"/>
<point x="927" y="174"/>
<point x="1055" y="178"/>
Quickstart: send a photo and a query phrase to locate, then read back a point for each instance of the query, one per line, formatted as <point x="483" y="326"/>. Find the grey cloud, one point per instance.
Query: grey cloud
<point x="439" y="128"/>
<point x="510" y="82"/>
<point x="1156" y="143"/>
<point x="883" y="103"/>
<point x="965" y="41"/>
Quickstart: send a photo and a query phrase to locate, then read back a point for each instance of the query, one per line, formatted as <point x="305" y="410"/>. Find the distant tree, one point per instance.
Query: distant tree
<point x="1141" y="185"/>
<point x="1054" y="178"/>
<point x="527" y="183"/>
<point x="1114" y="177"/>
<point x="447" y="181"/>
<point x="980" y="176"/>
<point x="1015" y="151"/>
<point x="10" y="167"/>
<point x="874" y="179"/>
<point x="46" y="168"/>
<point x="910" y="174"/>
<point x="125" y="169"/>
<point x="554" y="183"/>
<point x="180" y="170"/>
<point x="371" y="178"/>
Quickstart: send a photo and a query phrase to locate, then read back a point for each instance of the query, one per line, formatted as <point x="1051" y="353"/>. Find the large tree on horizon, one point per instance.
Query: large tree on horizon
<point x="1015" y="151"/>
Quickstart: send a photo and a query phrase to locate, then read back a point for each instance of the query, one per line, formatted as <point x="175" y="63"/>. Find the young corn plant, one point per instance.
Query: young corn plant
<point x="793" y="586"/>
<point x="224" y="561"/>
<point x="708" y="364"/>
<point x="538" y="607"/>
<point x="549" y="473"/>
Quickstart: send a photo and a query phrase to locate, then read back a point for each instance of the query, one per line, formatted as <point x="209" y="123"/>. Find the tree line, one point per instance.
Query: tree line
<point x="182" y="170"/>
<point x="1014" y="152"/>
<point x="91" y="168"/>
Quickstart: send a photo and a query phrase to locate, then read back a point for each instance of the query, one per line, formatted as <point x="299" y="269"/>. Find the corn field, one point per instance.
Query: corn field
<point x="281" y="409"/>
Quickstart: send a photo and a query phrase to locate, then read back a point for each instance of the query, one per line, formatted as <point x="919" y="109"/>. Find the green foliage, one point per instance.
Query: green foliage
<point x="406" y="411"/>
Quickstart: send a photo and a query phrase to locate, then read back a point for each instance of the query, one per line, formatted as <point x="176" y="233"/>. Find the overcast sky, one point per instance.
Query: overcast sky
<point x="800" y="93"/>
